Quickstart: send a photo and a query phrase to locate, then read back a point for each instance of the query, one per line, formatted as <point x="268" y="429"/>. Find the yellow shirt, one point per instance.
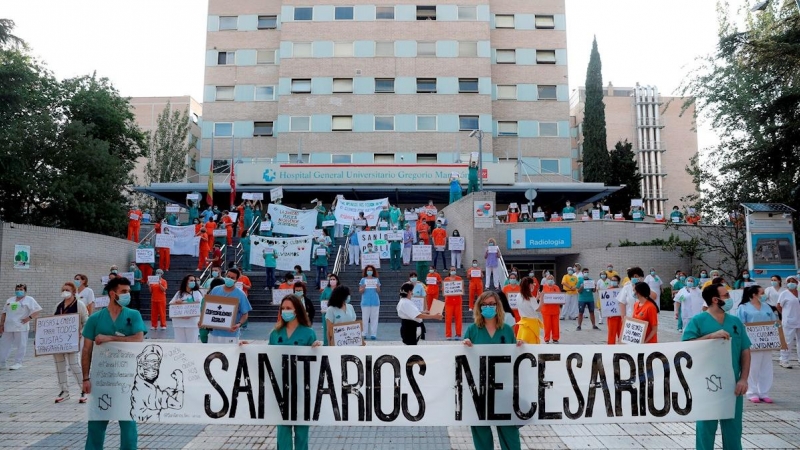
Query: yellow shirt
<point x="570" y="284"/>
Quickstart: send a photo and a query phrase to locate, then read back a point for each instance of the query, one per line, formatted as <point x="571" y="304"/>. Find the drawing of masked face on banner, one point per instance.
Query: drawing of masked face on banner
<point x="148" y="399"/>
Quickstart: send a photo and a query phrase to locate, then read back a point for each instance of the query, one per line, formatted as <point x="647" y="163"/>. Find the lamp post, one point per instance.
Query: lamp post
<point x="479" y="135"/>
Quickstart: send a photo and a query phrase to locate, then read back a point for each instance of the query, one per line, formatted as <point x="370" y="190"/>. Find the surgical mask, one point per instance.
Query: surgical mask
<point x="703" y="275"/>
<point x="745" y="275"/>
<point x="652" y="272"/>
<point x="229" y="282"/>
<point x="634" y="280"/>
<point x="474" y="264"/>
<point x="791" y="286"/>
<point x="287" y="316"/>
<point x="570" y="271"/>
<point x="132" y="268"/>
<point x="215" y="274"/>
<point x="413" y="279"/>
<point x="764" y="298"/>
<point x="430" y="271"/>
<point x="452" y="272"/>
<point x="774" y="283"/>
<point x="77" y="283"/>
<point x="726" y="306"/>
<point x="20" y="293"/>
<point x="682" y="278"/>
<point x="615" y="283"/>
<point x="609" y="268"/>
<point x="124" y="300"/>
<point x="298" y="294"/>
<point x="159" y="272"/>
<point x="585" y="274"/>
<point x="66" y="294"/>
<point x="603" y="276"/>
<point x="192" y="285"/>
<point x="551" y="282"/>
<point x="531" y="275"/>
<point x="369" y="273"/>
<point x="488" y="312"/>
<point x="115" y="271"/>
<point x="690" y="284"/>
<point x="513" y="281"/>
<point x="332" y="283"/>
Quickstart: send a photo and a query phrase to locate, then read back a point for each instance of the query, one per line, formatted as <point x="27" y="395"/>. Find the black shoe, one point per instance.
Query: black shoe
<point x="578" y="329"/>
<point x="595" y="328"/>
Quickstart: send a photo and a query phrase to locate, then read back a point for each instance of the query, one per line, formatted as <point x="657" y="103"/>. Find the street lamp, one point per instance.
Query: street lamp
<point x="479" y="135"/>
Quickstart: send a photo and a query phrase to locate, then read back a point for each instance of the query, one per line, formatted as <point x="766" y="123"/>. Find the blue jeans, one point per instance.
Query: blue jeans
<point x="436" y="255"/>
<point x="270" y="277"/>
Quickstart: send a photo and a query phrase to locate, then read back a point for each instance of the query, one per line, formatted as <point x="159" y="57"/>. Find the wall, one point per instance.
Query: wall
<point x="56" y="256"/>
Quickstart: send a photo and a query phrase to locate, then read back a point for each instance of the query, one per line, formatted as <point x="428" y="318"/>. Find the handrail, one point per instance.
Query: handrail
<point x="502" y="264"/>
<point x="238" y="254"/>
<point x="147" y="236"/>
<point x="337" y="265"/>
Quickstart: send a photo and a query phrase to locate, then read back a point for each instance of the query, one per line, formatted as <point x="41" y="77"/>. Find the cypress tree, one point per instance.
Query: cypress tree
<point x="595" y="150"/>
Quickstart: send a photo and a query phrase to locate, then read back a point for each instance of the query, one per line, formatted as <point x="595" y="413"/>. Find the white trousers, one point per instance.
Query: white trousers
<point x="222" y="339"/>
<point x="407" y="255"/>
<point x="353" y="254"/>
<point x="760" y="380"/>
<point x="493" y="271"/>
<point x="570" y="308"/>
<point x="73" y="359"/>
<point x="13" y="340"/>
<point x="792" y="336"/>
<point x="455" y="258"/>
<point x="187" y="335"/>
<point x="369" y="319"/>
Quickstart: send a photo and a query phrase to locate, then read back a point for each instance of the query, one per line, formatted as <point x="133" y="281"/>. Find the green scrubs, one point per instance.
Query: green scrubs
<point x="395" y="255"/>
<point x="704" y="324"/>
<point x="302" y="336"/>
<point x="507" y="434"/>
<point x="128" y="323"/>
<point x="245" y="241"/>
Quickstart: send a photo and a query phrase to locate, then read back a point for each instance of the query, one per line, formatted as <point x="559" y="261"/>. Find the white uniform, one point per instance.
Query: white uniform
<point x="655" y="283"/>
<point x="790" y="314"/>
<point x="16" y="332"/>
<point x="627" y="297"/>
<point x="691" y="300"/>
<point x="773" y="294"/>
<point x="186" y="329"/>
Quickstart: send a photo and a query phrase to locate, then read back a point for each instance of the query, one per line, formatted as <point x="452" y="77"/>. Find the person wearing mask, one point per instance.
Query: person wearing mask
<point x="186" y="328"/>
<point x="508" y="318"/>
<point x="384" y="218"/>
<point x="194" y="213"/>
<point x="216" y="254"/>
<point x="433" y="282"/>
<point x="530" y="325"/>
<point x="614" y="323"/>
<point x="158" y="302"/>
<point x="70" y="305"/>
<point x="439" y="237"/>
<point x="512" y="291"/>
<point x="636" y="213"/>
<point x="117" y="323"/>
<point x="265" y="229"/>
<point x="568" y="209"/>
<point x="339" y="309"/>
<point x="355" y="248"/>
<point x="136" y="287"/>
<point x="714" y="323"/>
<point x="515" y="272"/>
<point x="539" y="216"/>
<point x="248" y="215"/>
<point x="270" y="263"/>
<point x="330" y="218"/>
<point x="395" y="250"/>
<point x="412" y="329"/>
<point x="370" y="288"/>
<point x="455" y="190"/>
<point x="423" y="231"/>
<point x="204" y="332"/>
<point x="689" y="301"/>
<point x="288" y="281"/>
<point x="710" y="281"/>
<point x="627" y="295"/>
<point x="422" y="266"/>
<point x="203" y="249"/>
<point x="753" y="309"/>
<point x="512" y="214"/>
<point x="655" y="283"/>
<point x="489" y="328"/>
<point x="472" y="176"/>
<point x="678" y="284"/>
<point x="321" y="254"/>
<point x="163" y="252"/>
<point x="429" y="214"/>
<point x="585" y="299"/>
<point x="550" y="311"/>
<point x="229" y="289"/>
<point x="569" y="282"/>
<point x="321" y="212"/>
<point x="789" y="309"/>
<point x="601" y="284"/>
<point x="216" y="272"/>
<point x="492" y="256"/>
<point x="299" y="275"/>
<point x="743" y="280"/>
<point x="773" y="292"/>
<point x="299" y="290"/>
<point x="18" y="312"/>
<point x="207" y="214"/>
<point x="408" y="242"/>
<point x="246" y="244"/>
<point x="676" y="216"/>
<point x="475" y="275"/>
<point x="419" y="292"/>
<point x="84" y="292"/>
<point x="703" y="277"/>
<point x="610" y="272"/>
<point x="646" y="309"/>
<point x="453" y="308"/>
<point x="134" y="223"/>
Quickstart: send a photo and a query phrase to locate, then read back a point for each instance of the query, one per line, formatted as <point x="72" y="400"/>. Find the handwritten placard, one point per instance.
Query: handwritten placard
<point x="275" y="194"/>
<point x="410" y="217"/>
<point x="514" y="299"/>
<point x="191" y="309"/>
<point x="453" y="288"/>
<point x="265" y="226"/>
<point x="101" y="302"/>
<point x="347" y="334"/>
<point x="371" y="259"/>
<point x="421" y="252"/>
<point x="220" y="233"/>
<point x="219" y="312"/>
<point x="595" y="214"/>
<point x="280" y="294"/>
<point x="322" y="251"/>
<point x="636" y="202"/>
<point x="173" y="208"/>
<point x="609" y="306"/>
<point x="554" y="298"/>
<point x="145" y="255"/>
<point x="360" y="222"/>
<point x="165" y="240"/>
<point x="492" y="249"/>
<point x="57" y="334"/>
<point x="634" y="331"/>
<point x="371" y="283"/>
<point x="153" y="279"/>
<point x="538" y="215"/>
<point x="588" y="284"/>
<point x="569" y="216"/>
<point x="134" y="217"/>
<point x="475" y="273"/>
<point x="766" y="336"/>
<point x="456" y="243"/>
<point x="195" y="196"/>
<point x="431" y="281"/>
<point x="394" y="236"/>
<point x="676" y="219"/>
<point x="328" y="223"/>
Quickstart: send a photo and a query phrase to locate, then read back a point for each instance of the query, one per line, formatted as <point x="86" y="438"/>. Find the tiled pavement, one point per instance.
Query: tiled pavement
<point x="30" y="419"/>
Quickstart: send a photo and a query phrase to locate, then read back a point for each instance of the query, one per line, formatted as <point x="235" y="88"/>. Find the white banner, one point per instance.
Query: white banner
<point x="347" y="210"/>
<point x="379" y="241"/>
<point x="185" y="242"/>
<point x="286" y="220"/>
<point x="434" y="385"/>
<point x="291" y="251"/>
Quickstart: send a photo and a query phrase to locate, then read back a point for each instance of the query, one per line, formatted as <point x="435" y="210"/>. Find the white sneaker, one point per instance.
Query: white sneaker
<point x="784" y="364"/>
<point x="163" y="328"/>
<point x="15" y="367"/>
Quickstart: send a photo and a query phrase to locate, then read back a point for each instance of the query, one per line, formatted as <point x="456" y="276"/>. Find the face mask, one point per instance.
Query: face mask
<point x="192" y="285"/>
<point x="531" y="275"/>
<point x="369" y="273"/>
<point x="430" y="271"/>
<point x="763" y="298"/>
<point x="603" y="276"/>
<point x="20" y="293"/>
<point x="682" y="278"/>
<point x="634" y="280"/>
<point x="551" y="282"/>
<point x="348" y="299"/>
<point x="474" y="264"/>
<point x="215" y="274"/>
<point x="413" y="279"/>
<point x="488" y="312"/>
<point x="229" y="282"/>
<point x="77" y="283"/>
<point x="570" y="271"/>
<point x="114" y="271"/>
<point x="615" y="283"/>
<point x="133" y="268"/>
<point x="298" y="294"/>
<point x="452" y="272"/>
<point x="332" y="283"/>
<point x="124" y="300"/>
<point x="690" y="284"/>
<point x="774" y="284"/>
<point x="585" y="274"/>
<point x="746" y="276"/>
<point x="513" y="281"/>
<point x="287" y="316"/>
<point x="652" y="272"/>
<point x="703" y="275"/>
<point x="609" y="268"/>
<point x="66" y="294"/>
<point x="726" y="306"/>
<point x="791" y="286"/>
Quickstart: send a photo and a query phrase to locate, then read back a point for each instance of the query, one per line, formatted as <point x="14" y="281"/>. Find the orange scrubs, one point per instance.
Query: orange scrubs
<point x="550" y="314"/>
<point x="158" y="303"/>
<point x="432" y="288"/>
<point x="453" y="310"/>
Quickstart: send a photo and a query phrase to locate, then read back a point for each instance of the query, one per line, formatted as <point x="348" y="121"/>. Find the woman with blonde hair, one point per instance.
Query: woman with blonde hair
<point x="70" y="305"/>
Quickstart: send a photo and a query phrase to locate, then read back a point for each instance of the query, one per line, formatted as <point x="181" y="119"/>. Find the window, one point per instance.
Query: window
<point x="301" y="158"/>
<point x="343" y="49"/>
<point x="467" y="13"/>
<point x="384" y="85"/>
<point x="303" y="13"/>
<point x="550" y="166"/>
<point x="506" y="128"/>
<point x="299" y="123"/>
<point x="508" y="56"/>
<point x="507" y="92"/>
<point x="262" y="129"/>
<point x="545" y="56"/>
<point x="426" y="85"/>
<point x="467" y="85"/>
<point x="384" y="123"/>
<point x="426" y="123"/>
<point x="265" y="57"/>
<point x="504" y="21"/>
<point x="548" y="129"/>
<point x="222" y="166"/>
<point x="341" y="159"/>
<point x="342" y="123"/>
<point x="301" y="50"/>
<point x="224" y="93"/>
<point x="223" y="129"/>
<point x="545" y="22"/>
<point x="467" y="123"/>
<point x="301" y="85"/>
<point x="267" y="22"/>
<point x="426" y="48"/>
<point x="342" y="85"/>
<point x="387" y="158"/>
<point x="468" y="49"/>
<point x="265" y="93"/>
<point x="426" y="158"/>
<point x="343" y="13"/>
<point x="226" y="58"/>
<point x="384" y="13"/>
<point x="426" y="12"/>
<point x="228" y="23"/>
<point x="547" y="92"/>
<point x="384" y="49"/>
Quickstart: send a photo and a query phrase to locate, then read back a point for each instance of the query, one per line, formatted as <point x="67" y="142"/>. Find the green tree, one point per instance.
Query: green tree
<point x="623" y="170"/>
<point x="7" y="39"/>
<point x="595" y="148"/>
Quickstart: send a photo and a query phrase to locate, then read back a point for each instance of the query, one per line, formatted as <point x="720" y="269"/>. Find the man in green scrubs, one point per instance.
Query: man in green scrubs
<point x="117" y="323"/>
<point x="715" y="323"/>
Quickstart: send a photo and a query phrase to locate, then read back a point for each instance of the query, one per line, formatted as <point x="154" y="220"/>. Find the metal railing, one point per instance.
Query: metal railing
<point x="341" y="259"/>
<point x="204" y="275"/>
<point x="502" y="264"/>
<point x="239" y="251"/>
<point x="148" y="236"/>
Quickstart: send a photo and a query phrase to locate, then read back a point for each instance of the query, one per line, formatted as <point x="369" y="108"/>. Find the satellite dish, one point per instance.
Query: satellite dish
<point x="530" y="194"/>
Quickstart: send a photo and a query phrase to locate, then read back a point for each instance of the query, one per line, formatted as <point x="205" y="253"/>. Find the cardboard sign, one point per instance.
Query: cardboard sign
<point x="154" y="279"/>
<point x="595" y="214"/>
<point x="280" y="294"/>
<point x="371" y="259"/>
<point x="513" y="299"/>
<point x="371" y="283"/>
<point x="347" y="334"/>
<point x="275" y="194"/>
<point x="220" y="233"/>
<point x="609" y="306"/>
<point x="322" y="251"/>
<point x="636" y="202"/>
<point x="569" y="216"/>
<point x="134" y="217"/>
<point x="323" y="305"/>
<point x="456" y="243"/>
<point x="634" y="331"/>
<point x="421" y="252"/>
<point x="554" y="298"/>
<point x="219" y="312"/>
<point x="328" y="223"/>
<point x="588" y="284"/>
<point x="145" y="255"/>
<point x="766" y="336"/>
<point x="475" y="273"/>
<point x="453" y="288"/>
<point x="410" y="217"/>
<point x="538" y="215"/>
<point x="57" y="334"/>
<point x="101" y="302"/>
<point x="164" y="240"/>
<point x="394" y="236"/>
<point x="431" y="281"/>
<point x="195" y="196"/>
<point x="360" y="222"/>
<point x="265" y="226"/>
<point x="492" y="249"/>
<point x="419" y="302"/>
<point x="191" y="309"/>
<point x="173" y="208"/>
<point x="437" y="307"/>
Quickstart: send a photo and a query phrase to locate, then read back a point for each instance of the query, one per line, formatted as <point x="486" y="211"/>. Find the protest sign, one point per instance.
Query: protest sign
<point x="184" y="240"/>
<point x="265" y="226"/>
<point x="347" y="334"/>
<point x="371" y="283"/>
<point x="437" y="307"/>
<point x="453" y="288"/>
<point x="588" y="284"/>
<point x="538" y="215"/>
<point x="233" y="216"/>
<point x="191" y="309"/>
<point x="371" y="259"/>
<point x="291" y="251"/>
<point x="419" y="302"/>
<point x="766" y="336"/>
<point x="286" y="220"/>
<point x="102" y="301"/>
<point x="220" y="232"/>
<point x="57" y="334"/>
<point x="319" y="386"/>
<point x="145" y="255"/>
<point x="194" y="196"/>
<point x="173" y="208"/>
<point x="164" y="240"/>
<point x="492" y="249"/>
<point x="328" y="223"/>
<point x="421" y="253"/>
<point x="134" y="217"/>
<point x="410" y="217"/>
<point x="634" y="331"/>
<point x="219" y="312"/>
<point x="475" y="273"/>
<point x="378" y="240"/>
<point x="609" y="306"/>
<point x="595" y="214"/>
<point x="569" y="216"/>
<point x="394" y="236"/>
<point x="153" y="279"/>
<point x="254" y="195"/>
<point x="360" y="222"/>
<point x="456" y="243"/>
<point x="554" y="298"/>
<point x="275" y="194"/>
<point x="636" y="202"/>
<point x="347" y="210"/>
<point x="280" y="294"/>
<point x="431" y="281"/>
<point x="514" y="299"/>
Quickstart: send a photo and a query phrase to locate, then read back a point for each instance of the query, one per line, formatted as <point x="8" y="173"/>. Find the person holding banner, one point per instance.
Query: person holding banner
<point x="265" y="229"/>
<point x="18" y="312"/>
<point x="491" y="256"/>
<point x="186" y="328"/>
<point x="84" y="292"/>
<point x="774" y="292"/>
<point x="229" y="289"/>
<point x="194" y="214"/>
<point x="158" y="301"/>
<point x="530" y="325"/>
<point x="550" y="311"/>
<point x="753" y="309"/>
<point x="429" y="214"/>
<point x="475" y="275"/>
<point x="455" y="255"/>
<point x="330" y="218"/>
<point x="453" y="306"/>
<point x="614" y="323"/>
<point x="789" y="309"/>
<point x="715" y="323"/>
<point x="743" y="280"/>
<point x="69" y="305"/>
<point x="370" y="287"/>
<point x="299" y="275"/>
<point x="646" y="309"/>
<point x="490" y="329"/>
<point x="568" y="209"/>
<point x="676" y="216"/>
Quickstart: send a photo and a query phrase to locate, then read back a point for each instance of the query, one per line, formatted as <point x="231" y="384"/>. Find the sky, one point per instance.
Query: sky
<point x="157" y="47"/>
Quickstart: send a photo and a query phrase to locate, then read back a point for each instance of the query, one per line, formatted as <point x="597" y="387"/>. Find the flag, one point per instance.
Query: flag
<point x="233" y="184"/>
<point x="210" y="194"/>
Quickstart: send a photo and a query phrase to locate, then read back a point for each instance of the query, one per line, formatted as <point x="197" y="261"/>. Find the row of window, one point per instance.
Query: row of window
<point x="423" y="12"/>
<point x="466" y="49"/>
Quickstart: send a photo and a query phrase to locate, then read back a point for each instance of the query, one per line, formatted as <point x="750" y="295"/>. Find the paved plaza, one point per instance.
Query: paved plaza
<point x="30" y="419"/>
